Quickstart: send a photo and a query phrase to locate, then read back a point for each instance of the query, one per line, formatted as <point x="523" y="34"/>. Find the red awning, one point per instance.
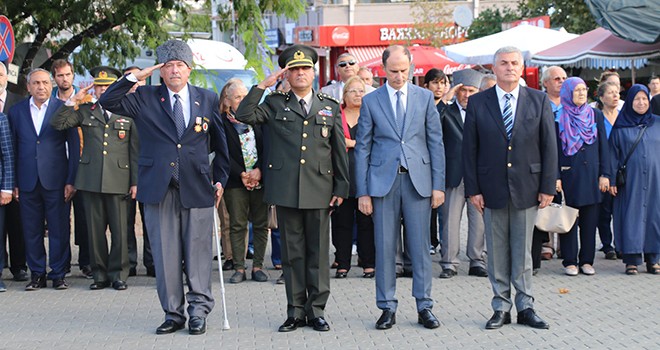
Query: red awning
<point x="366" y="53"/>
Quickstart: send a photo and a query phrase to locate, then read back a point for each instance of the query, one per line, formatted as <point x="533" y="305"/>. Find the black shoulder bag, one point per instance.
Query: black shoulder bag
<point x="621" y="172"/>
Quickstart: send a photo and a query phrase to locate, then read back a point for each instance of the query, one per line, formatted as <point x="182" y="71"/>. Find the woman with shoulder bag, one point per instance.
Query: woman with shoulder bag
<point x="584" y="173"/>
<point x="634" y="142"/>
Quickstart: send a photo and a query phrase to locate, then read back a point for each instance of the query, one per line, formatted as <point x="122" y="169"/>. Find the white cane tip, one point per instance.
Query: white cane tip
<point x="226" y="326"/>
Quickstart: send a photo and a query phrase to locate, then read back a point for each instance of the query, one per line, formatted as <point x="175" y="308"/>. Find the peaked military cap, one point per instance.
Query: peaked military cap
<point x="298" y="56"/>
<point x="104" y="75"/>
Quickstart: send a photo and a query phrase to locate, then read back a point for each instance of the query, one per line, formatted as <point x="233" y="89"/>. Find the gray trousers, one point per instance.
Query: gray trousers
<point x="509" y="242"/>
<point x="241" y="206"/>
<point x="402" y="200"/>
<point x="452" y="213"/>
<point x="181" y="237"/>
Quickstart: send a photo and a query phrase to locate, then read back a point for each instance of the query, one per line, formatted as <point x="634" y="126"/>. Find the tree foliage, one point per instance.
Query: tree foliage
<point x="431" y="19"/>
<point x="490" y="21"/>
<point x="249" y="25"/>
<point x="573" y="15"/>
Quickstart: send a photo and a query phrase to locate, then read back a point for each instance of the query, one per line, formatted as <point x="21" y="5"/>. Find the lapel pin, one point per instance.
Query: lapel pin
<point x="196" y="103"/>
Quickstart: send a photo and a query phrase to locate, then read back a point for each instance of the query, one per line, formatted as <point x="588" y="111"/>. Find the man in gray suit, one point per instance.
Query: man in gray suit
<point x="347" y="67"/>
<point x="400" y="169"/>
<point x="510" y="168"/>
<point x="467" y="83"/>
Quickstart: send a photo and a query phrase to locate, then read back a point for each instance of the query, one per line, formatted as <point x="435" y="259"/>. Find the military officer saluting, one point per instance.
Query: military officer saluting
<point x="306" y="175"/>
<point x="107" y="176"/>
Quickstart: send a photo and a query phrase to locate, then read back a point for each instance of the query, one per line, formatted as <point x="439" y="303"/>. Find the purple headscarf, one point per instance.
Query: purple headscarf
<point x="577" y="125"/>
<point x="627" y="116"/>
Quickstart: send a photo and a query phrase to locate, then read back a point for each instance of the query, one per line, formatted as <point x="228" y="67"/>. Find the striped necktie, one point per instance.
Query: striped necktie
<point x="507" y="116"/>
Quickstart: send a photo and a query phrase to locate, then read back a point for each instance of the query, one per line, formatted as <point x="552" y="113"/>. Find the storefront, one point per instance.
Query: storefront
<point x="364" y="42"/>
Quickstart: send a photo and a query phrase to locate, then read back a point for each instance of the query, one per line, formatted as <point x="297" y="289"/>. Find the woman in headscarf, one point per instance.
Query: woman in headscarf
<point x="636" y="215"/>
<point x="584" y="173"/>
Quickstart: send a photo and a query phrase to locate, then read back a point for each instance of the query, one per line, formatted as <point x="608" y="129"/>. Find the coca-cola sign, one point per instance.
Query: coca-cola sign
<point x="340" y="35"/>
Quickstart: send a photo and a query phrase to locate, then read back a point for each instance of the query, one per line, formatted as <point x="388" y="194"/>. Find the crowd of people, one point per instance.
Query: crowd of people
<point x="389" y="170"/>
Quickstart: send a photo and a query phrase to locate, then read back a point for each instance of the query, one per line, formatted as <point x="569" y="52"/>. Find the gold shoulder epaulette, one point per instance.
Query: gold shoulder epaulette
<point x="322" y="96"/>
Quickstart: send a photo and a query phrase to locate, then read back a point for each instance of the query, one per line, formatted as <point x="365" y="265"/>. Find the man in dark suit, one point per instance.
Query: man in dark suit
<point x="45" y="175"/>
<point x="107" y="176"/>
<point x="178" y="123"/>
<point x="467" y="83"/>
<point x="510" y="165"/>
<point x="12" y="230"/>
<point x="400" y="173"/>
<point x="6" y="181"/>
<point x="307" y="173"/>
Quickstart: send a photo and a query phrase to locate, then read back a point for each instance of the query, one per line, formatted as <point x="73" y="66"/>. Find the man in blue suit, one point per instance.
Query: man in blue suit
<point x="45" y="174"/>
<point x="510" y="169"/>
<point x="6" y="182"/>
<point x="400" y="167"/>
<point x="179" y="126"/>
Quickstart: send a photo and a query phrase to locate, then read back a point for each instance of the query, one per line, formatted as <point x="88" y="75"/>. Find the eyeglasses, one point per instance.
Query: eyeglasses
<point x="343" y="64"/>
<point x="355" y="91"/>
<point x="580" y="90"/>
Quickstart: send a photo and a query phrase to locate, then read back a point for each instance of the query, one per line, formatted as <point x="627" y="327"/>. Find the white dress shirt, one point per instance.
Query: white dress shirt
<point x="502" y="100"/>
<point x="184" y="98"/>
<point x="38" y="114"/>
<point x="404" y="97"/>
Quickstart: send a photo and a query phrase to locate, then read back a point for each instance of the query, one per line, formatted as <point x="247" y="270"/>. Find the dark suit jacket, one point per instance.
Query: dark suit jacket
<point x="452" y="134"/>
<point x="43" y="157"/>
<point x="579" y="173"/>
<point x="519" y="169"/>
<point x="12" y="99"/>
<point x="108" y="163"/>
<point x="236" y="162"/>
<point x="160" y="146"/>
<point x="655" y="105"/>
<point x="307" y="160"/>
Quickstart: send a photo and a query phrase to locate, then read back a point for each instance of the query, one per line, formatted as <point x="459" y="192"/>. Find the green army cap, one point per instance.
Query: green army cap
<point x="298" y="56"/>
<point x="104" y="75"/>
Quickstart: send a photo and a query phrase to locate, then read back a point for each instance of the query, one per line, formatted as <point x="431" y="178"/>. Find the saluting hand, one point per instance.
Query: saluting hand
<point x="145" y="73"/>
<point x="80" y="95"/>
<point x="271" y="79"/>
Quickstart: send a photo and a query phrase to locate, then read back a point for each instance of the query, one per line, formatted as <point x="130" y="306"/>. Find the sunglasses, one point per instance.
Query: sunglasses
<point x="346" y="63"/>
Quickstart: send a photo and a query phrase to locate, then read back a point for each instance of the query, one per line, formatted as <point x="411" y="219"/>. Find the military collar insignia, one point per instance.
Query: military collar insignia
<point x="322" y="96"/>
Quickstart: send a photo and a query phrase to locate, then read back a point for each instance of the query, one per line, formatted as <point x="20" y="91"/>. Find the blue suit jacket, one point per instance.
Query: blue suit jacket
<point x="43" y="157"/>
<point x="500" y="169"/>
<point x="160" y="146"/>
<point x="6" y="155"/>
<point x="379" y="144"/>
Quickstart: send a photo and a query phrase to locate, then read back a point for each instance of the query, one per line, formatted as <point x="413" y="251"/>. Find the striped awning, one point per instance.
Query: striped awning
<point x="366" y="53"/>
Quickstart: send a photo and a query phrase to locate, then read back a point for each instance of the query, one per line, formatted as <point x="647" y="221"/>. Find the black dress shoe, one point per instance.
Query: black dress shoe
<point x="228" y="265"/>
<point x="528" y="317"/>
<point x="21" y="276"/>
<point x="151" y="271"/>
<point x="196" y="325"/>
<point x="132" y="272"/>
<point x="169" y="326"/>
<point x="86" y="272"/>
<point x="291" y="324"/>
<point x="478" y="271"/>
<point x="119" y="285"/>
<point x="427" y="318"/>
<point x="37" y="282"/>
<point x="371" y="274"/>
<point x="319" y="324"/>
<point x="341" y="274"/>
<point x="99" y="285"/>
<point x="407" y="273"/>
<point x="447" y="273"/>
<point x="60" y="284"/>
<point x="387" y="320"/>
<point x="498" y="319"/>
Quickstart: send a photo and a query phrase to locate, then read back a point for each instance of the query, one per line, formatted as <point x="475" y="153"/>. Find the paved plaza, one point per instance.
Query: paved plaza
<point x="607" y="311"/>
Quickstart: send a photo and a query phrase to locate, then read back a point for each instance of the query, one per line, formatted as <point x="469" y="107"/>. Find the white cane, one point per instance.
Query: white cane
<point x="225" y="321"/>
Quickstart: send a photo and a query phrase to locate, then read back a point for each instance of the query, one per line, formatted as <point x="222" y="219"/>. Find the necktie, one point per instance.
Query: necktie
<point x="400" y="112"/>
<point x="178" y="116"/>
<point x="180" y="127"/>
<point x="303" y="105"/>
<point x="507" y="116"/>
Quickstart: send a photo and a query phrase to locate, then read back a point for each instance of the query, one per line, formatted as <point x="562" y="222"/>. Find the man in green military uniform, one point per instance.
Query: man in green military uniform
<point x="107" y="176"/>
<point x="306" y="174"/>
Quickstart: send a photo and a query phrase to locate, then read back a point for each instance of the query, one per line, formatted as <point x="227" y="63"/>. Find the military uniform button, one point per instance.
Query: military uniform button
<point x="304" y="135"/>
<point x="105" y="143"/>
<point x="302" y="161"/>
<point x="178" y="145"/>
<point x="509" y="165"/>
<point x="510" y="148"/>
<point x="107" y="126"/>
<point x="305" y="122"/>
<point x="304" y="148"/>
<point x="270" y="165"/>
<point x="105" y="135"/>
<point x="105" y="152"/>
